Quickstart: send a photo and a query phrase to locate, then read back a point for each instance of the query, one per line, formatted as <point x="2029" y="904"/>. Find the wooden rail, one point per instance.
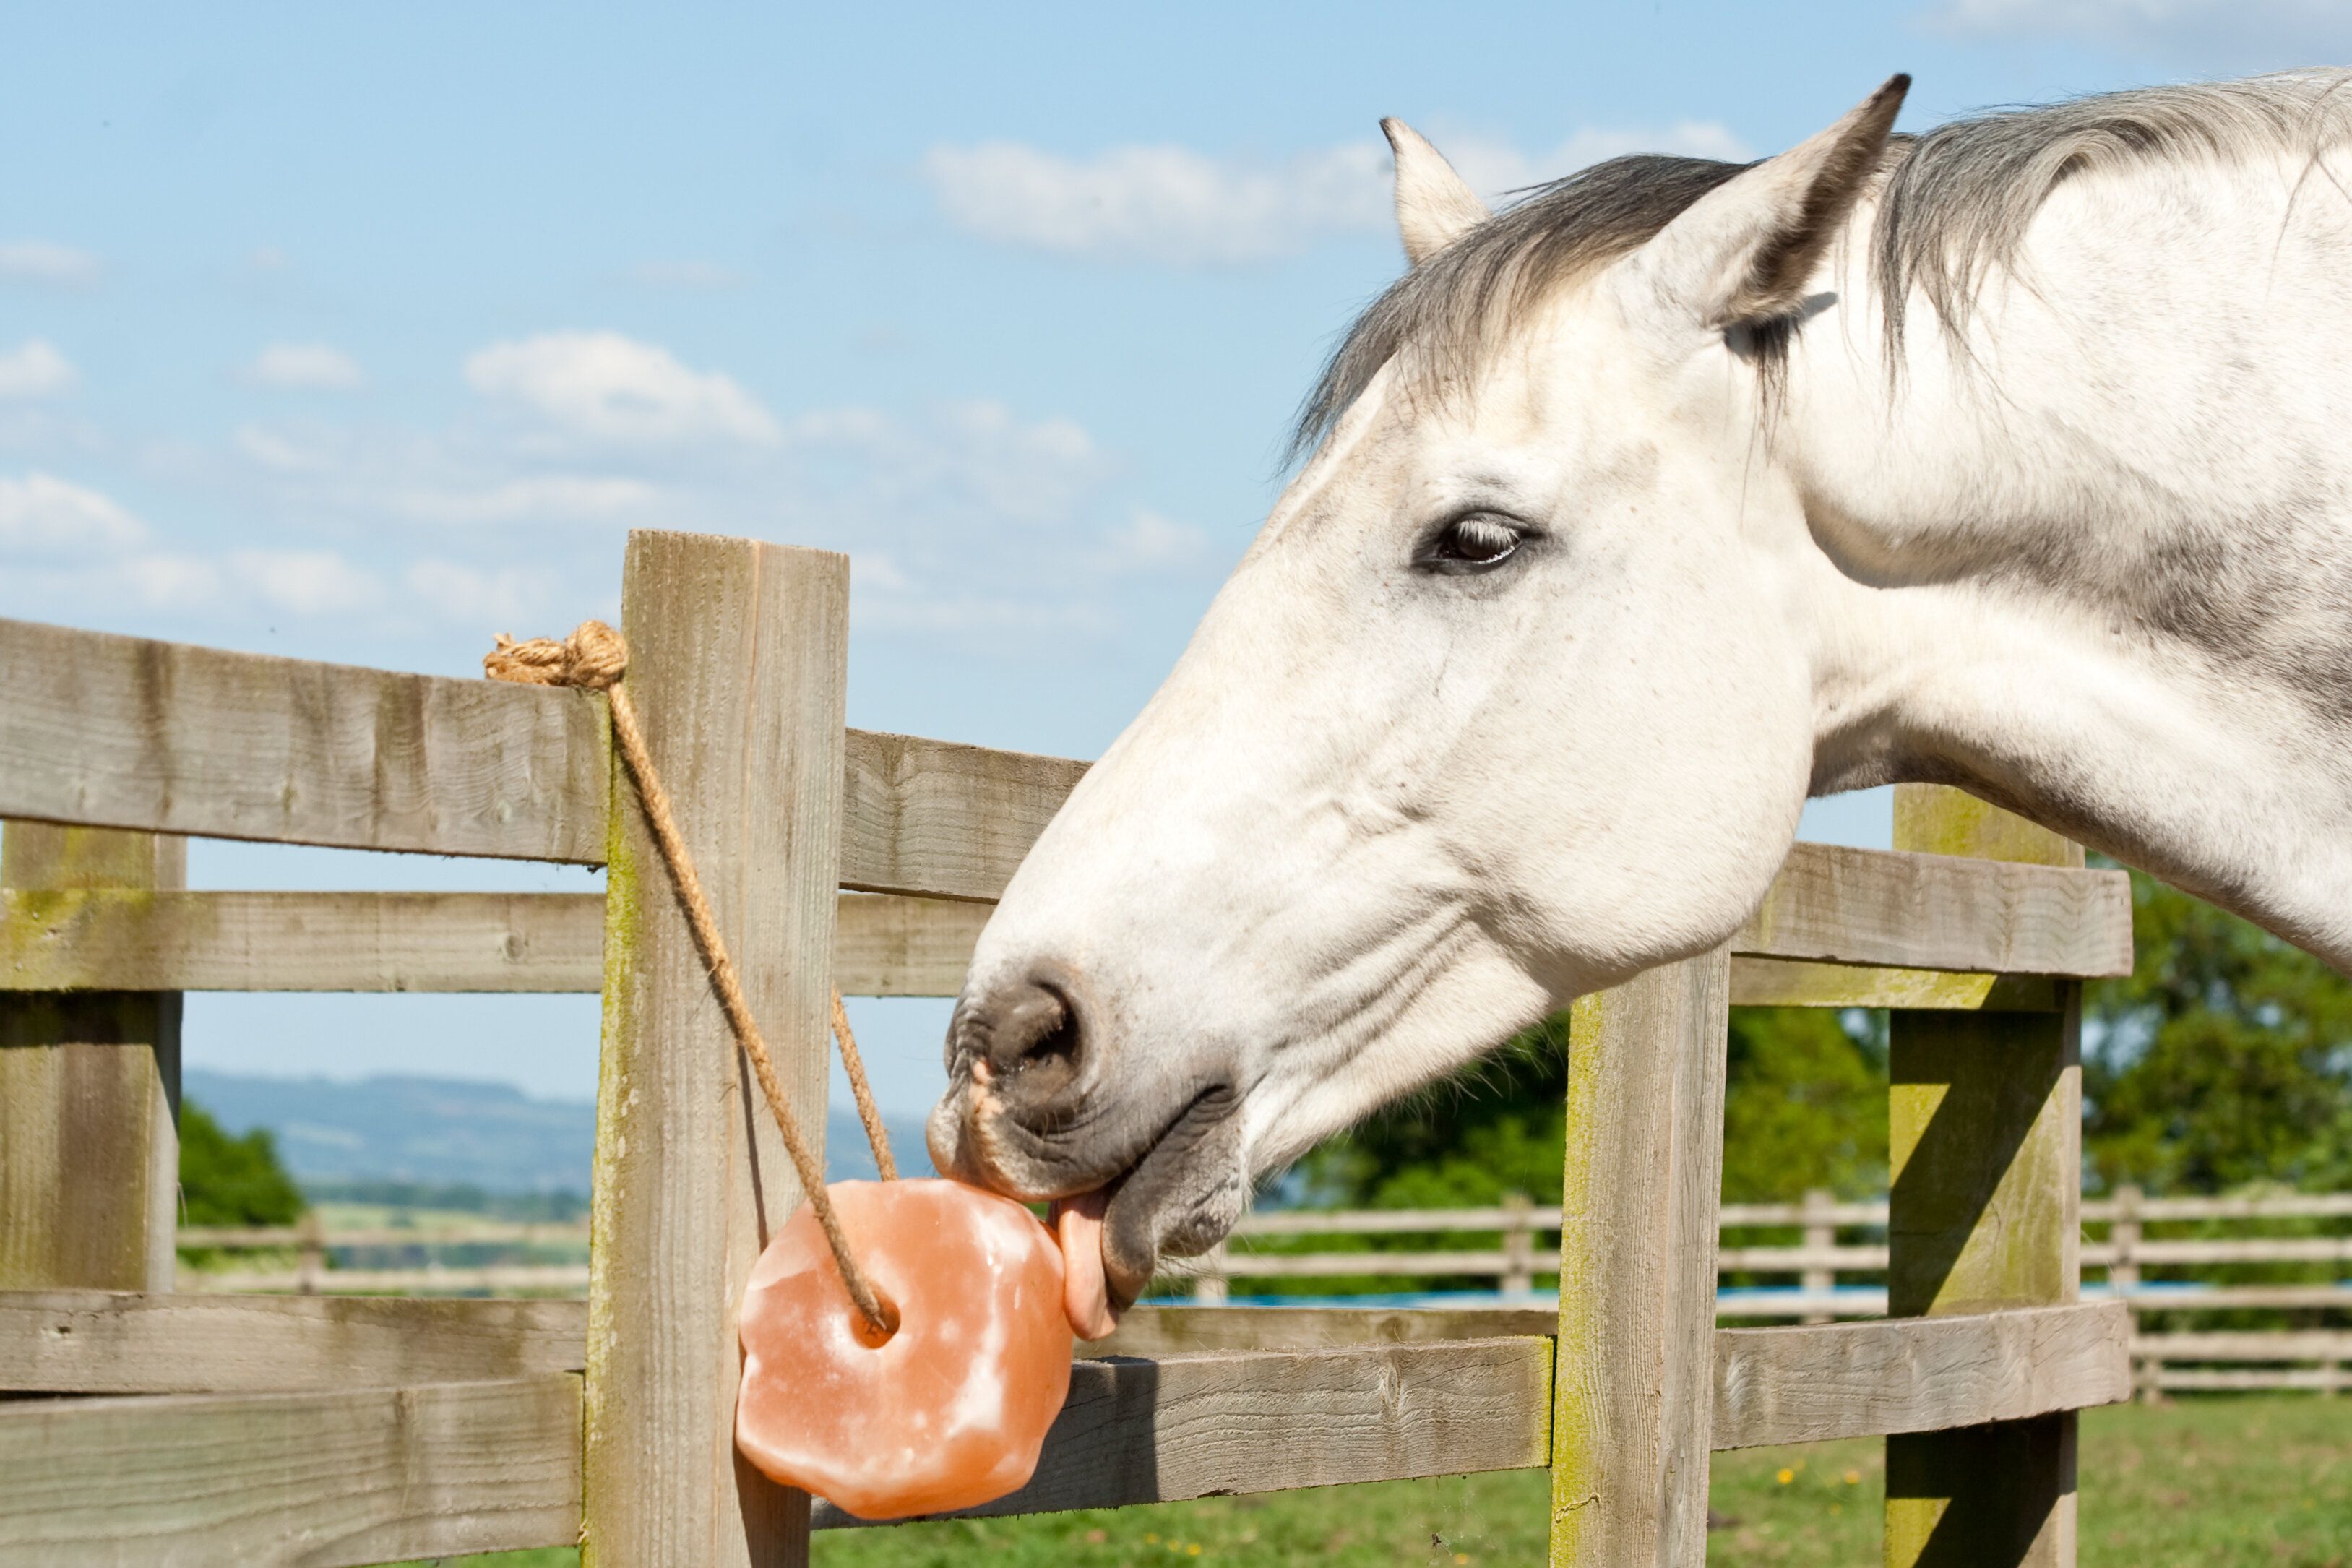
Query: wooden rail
<point x="885" y="945"/>
<point x="102" y="941"/>
<point x="1348" y="1403"/>
<point x="309" y="1479"/>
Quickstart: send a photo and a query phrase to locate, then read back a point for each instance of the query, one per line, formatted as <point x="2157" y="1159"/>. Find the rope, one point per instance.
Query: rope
<point x="594" y="658"/>
<point x="876" y="1137"/>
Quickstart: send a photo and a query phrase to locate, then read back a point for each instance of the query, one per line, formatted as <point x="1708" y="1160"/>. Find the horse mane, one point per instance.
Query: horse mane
<point x="1952" y="206"/>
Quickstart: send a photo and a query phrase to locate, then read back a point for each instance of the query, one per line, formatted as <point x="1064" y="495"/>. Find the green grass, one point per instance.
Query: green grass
<point x="2222" y="1483"/>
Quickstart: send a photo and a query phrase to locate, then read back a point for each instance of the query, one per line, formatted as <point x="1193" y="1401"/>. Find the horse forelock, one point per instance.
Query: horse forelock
<point x="1952" y="207"/>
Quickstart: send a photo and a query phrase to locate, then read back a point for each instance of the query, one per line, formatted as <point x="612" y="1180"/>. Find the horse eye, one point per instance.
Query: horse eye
<point x="1474" y="542"/>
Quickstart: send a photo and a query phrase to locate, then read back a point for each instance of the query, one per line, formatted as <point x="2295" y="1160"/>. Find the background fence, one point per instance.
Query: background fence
<point x="2171" y="1281"/>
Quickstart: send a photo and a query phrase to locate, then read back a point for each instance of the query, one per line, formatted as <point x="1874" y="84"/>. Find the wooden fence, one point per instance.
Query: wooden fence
<point x="2282" y="1357"/>
<point x="326" y="1430"/>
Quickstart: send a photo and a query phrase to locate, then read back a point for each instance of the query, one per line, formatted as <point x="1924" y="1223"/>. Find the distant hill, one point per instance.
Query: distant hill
<point x="451" y="1131"/>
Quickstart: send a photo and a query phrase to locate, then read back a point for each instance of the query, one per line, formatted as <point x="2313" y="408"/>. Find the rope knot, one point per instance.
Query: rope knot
<point x="592" y="657"/>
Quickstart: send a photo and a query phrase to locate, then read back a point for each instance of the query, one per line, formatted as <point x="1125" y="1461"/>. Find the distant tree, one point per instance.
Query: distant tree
<point x="232" y="1180"/>
<point x="2225" y="1057"/>
<point x="1805" y="1107"/>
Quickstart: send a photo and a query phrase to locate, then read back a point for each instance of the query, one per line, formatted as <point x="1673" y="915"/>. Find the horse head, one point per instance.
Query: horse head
<point x="1510" y="698"/>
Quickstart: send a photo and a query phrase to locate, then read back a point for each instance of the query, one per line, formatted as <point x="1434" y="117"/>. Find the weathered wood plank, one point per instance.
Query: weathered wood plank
<point x="90" y="1088"/>
<point x="1796" y="983"/>
<point x="302" y="941"/>
<point x="737" y="668"/>
<point x="1631" y="1395"/>
<point x="1171" y="1331"/>
<point x="1941" y="912"/>
<point x="886" y="946"/>
<point x="1813" y="1383"/>
<point x="941" y="820"/>
<point x="1330" y="1265"/>
<point x="567" y="1277"/>
<point x="302" y="1480"/>
<point x="101" y="1342"/>
<point x="2241" y="1380"/>
<point x="2247" y="1344"/>
<point x="1243" y="1422"/>
<point x="124" y="732"/>
<point x="1985" y="1141"/>
<point x="103" y="940"/>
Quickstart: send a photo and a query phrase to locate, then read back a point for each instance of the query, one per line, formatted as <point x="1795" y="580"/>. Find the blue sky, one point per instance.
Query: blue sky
<point x="362" y="332"/>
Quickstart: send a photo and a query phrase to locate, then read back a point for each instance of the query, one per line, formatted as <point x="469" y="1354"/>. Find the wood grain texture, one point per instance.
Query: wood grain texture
<point x="1632" y="1421"/>
<point x="1796" y="983"/>
<point x="941" y="820"/>
<point x="1243" y="1422"/>
<point x="100" y="1342"/>
<point x="90" y="1088"/>
<point x="1986" y="1146"/>
<point x="302" y="941"/>
<point x="1810" y="1383"/>
<point x="290" y="1480"/>
<point x="737" y="666"/>
<point x="1941" y="911"/>
<point x="101" y="940"/>
<point x="886" y="946"/>
<point x="124" y="732"/>
<point x="1170" y="1330"/>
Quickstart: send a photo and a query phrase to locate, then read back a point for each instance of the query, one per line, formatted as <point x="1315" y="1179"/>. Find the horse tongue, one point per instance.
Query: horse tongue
<point x="1086" y="1293"/>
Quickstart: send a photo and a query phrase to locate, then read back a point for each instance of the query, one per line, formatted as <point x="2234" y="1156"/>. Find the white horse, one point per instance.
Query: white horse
<point x="2016" y="457"/>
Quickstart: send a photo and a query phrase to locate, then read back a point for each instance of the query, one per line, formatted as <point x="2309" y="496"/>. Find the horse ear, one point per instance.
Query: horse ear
<point x="1744" y="251"/>
<point x="1435" y="206"/>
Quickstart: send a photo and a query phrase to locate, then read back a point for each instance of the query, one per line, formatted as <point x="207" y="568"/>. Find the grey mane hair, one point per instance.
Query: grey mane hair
<point x="1952" y="207"/>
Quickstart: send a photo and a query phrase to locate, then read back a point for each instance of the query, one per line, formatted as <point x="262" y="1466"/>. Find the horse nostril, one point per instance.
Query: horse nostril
<point x="1031" y="1035"/>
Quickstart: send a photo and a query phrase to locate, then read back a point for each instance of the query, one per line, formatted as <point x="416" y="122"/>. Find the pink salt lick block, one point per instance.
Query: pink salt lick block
<point x="949" y="1412"/>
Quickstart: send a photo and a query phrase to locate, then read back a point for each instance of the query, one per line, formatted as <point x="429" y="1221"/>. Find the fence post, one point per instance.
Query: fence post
<point x="1820" y="1235"/>
<point x="1209" y="1287"/>
<point x="737" y="664"/>
<point x="90" y="1089"/>
<point x="311" y="1262"/>
<point x="1518" y="1246"/>
<point x="2123" y="1279"/>
<point x="1986" y="1147"/>
<point x="1634" y="1382"/>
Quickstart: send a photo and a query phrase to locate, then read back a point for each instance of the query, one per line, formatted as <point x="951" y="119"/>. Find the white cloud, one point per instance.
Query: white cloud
<point x="305" y="367"/>
<point x="976" y="462"/>
<point x="292" y="451"/>
<point x="1181" y="207"/>
<point x="48" y="518"/>
<point x="614" y="388"/>
<point x="45" y="261"/>
<point x="36" y="369"/>
<point x="1150" y="543"/>
<point x="1155" y="203"/>
<point x="499" y="598"/>
<point x="876" y="569"/>
<point x="164" y="581"/>
<point x="306" y="582"/>
<point x="547" y="496"/>
<point x="2219" y="34"/>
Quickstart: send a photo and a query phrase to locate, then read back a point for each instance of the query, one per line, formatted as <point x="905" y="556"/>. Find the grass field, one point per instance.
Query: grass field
<point x="2219" y="1483"/>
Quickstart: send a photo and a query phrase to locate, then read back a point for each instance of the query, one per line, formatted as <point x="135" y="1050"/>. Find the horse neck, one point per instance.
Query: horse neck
<point x="2097" y="566"/>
